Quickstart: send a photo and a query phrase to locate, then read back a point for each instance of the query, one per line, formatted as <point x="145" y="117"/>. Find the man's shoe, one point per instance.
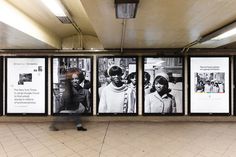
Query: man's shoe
<point x="81" y="128"/>
<point x="53" y="129"/>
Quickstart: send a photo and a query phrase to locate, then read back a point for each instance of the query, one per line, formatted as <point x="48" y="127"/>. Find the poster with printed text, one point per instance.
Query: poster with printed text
<point x="209" y="85"/>
<point x="26" y="85"/>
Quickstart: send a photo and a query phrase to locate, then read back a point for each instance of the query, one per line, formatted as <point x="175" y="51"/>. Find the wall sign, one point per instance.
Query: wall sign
<point x="209" y="85"/>
<point x="26" y="89"/>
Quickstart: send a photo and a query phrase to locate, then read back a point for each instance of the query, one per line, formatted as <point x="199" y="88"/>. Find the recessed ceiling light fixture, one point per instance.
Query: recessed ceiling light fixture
<point x="126" y="9"/>
<point x="57" y="8"/>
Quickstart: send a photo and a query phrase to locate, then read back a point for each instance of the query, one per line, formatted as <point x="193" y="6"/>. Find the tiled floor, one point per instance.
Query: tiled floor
<point x="121" y="139"/>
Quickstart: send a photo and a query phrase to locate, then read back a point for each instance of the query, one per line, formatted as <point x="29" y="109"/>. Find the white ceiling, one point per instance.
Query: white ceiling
<point x="158" y="23"/>
<point x="19" y="40"/>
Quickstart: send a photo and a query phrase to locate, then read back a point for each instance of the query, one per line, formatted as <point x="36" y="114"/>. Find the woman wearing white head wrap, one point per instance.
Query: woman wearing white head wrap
<point x="116" y="97"/>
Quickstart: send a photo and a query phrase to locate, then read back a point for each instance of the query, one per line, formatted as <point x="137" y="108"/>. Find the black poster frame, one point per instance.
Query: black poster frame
<point x="234" y="82"/>
<point x="1" y="85"/>
<point x="183" y="87"/>
<point x="46" y="88"/>
<point x="71" y="114"/>
<point x="97" y="94"/>
<point x="189" y="87"/>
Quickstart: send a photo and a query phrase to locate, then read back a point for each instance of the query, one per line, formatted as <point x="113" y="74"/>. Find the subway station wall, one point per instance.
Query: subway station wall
<point x="101" y="85"/>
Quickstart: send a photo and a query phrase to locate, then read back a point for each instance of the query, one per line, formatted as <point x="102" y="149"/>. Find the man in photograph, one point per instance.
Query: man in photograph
<point x="117" y="97"/>
<point x="200" y="87"/>
<point x="84" y="83"/>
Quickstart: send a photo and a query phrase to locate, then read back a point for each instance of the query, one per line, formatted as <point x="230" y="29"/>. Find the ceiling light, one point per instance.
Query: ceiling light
<point x="225" y="35"/>
<point x="221" y="33"/>
<point x="126" y="9"/>
<point x="55" y="7"/>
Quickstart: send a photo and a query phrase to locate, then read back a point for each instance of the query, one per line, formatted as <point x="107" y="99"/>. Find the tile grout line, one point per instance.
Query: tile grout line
<point x="47" y="146"/>
<point x="104" y="138"/>
<point x="37" y="140"/>
<point x="19" y="139"/>
<point x="4" y="149"/>
<point x="227" y="149"/>
<point x="2" y="144"/>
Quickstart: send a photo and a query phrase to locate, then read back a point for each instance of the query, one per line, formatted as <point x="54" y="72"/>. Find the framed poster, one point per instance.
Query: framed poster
<point x="26" y="86"/>
<point x="117" y="86"/>
<point x="209" y="92"/>
<point x="72" y="85"/>
<point x="1" y="86"/>
<point x="163" y="86"/>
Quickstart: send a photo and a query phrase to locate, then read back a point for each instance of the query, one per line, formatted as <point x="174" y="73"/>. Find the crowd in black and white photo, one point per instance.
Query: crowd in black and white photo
<point x="209" y="83"/>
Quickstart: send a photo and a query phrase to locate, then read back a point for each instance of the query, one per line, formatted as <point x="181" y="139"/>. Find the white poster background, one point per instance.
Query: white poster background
<point x="209" y="102"/>
<point x="28" y="97"/>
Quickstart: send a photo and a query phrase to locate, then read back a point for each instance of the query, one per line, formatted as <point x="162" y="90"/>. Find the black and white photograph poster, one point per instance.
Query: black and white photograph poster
<point x="209" y="85"/>
<point x="117" y="85"/>
<point x="26" y="89"/>
<point x="72" y="85"/>
<point x="163" y="85"/>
